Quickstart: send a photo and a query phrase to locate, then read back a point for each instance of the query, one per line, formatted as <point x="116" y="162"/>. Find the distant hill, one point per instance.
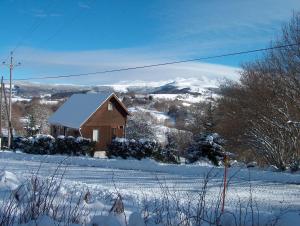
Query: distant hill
<point x="193" y="86"/>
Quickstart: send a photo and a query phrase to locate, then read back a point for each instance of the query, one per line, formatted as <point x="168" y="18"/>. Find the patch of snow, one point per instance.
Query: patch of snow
<point x="16" y="99"/>
<point x="45" y="95"/>
<point x="197" y="85"/>
<point x="123" y="86"/>
<point x="48" y="102"/>
<point x="135" y="219"/>
<point x="43" y="221"/>
<point x="188" y="98"/>
<point x="186" y="104"/>
<point x="8" y="180"/>
<point x="161" y="117"/>
<point x="109" y="220"/>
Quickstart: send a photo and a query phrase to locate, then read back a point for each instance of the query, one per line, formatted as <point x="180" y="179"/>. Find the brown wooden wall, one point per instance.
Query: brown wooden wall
<point x="105" y="120"/>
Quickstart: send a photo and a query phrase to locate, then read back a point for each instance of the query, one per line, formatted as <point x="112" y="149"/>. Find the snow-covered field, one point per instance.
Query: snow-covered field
<point x="272" y="192"/>
<point x="161" y="117"/>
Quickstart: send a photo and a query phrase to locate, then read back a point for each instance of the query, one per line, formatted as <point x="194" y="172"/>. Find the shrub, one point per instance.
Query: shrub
<point x="143" y="148"/>
<point x="207" y="146"/>
<point x="85" y="146"/>
<point x="40" y="144"/>
<point x="45" y="144"/>
<point x="20" y="143"/>
<point x="165" y="155"/>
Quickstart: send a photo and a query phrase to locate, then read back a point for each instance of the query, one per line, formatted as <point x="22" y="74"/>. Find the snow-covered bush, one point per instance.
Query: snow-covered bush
<point x="63" y="145"/>
<point x="20" y="143"/>
<point x="295" y="165"/>
<point x="178" y="141"/>
<point x="40" y="144"/>
<point x="143" y="148"/>
<point x="85" y="146"/>
<point x="165" y="155"/>
<point x="131" y="148"/>
<point x="206" y="146"/>
<point x="45" y="144"/>
<point x="73" y="146"/>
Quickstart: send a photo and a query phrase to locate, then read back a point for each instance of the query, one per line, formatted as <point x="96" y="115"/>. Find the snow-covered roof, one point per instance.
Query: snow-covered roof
<point x="78" y="108"/>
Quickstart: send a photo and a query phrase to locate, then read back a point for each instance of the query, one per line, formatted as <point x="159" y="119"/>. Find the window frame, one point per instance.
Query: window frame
<point x="110" y="106"/>
<point x="97" y="136"/>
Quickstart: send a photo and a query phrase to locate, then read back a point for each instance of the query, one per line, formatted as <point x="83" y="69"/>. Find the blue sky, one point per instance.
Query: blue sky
<point x="89" y="35"/>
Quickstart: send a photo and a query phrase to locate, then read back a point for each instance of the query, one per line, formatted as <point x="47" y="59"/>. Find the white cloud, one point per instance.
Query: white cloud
<point x="44" y="63"/>
<point x="83" y="5"/>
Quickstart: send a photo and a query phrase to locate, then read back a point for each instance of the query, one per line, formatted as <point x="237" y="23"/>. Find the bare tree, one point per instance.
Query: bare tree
<point x="39" y="113"/>
<point x="139" y="126"/>
<point x="261" y="112"/>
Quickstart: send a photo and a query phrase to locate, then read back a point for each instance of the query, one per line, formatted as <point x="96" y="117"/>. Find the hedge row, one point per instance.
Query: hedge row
<point x="143" y="148"/>
<point x="45" y="144"/>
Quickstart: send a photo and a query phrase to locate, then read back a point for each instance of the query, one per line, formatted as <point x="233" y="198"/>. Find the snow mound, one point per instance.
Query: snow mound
<point x="109" y="220"/>
<point x="135" y="219"/>
<point x="8" y="181"/>
<point x="44" y="221"/>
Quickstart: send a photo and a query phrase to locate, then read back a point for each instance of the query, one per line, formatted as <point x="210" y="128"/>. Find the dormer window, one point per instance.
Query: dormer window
<point x="110" y="106"/>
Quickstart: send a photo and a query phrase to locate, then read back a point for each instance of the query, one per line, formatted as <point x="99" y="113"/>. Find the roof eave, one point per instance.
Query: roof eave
<point x="61" y="124"/>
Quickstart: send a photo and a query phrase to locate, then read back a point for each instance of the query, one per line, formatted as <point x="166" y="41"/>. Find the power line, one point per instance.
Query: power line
<point x="159" y="64"/>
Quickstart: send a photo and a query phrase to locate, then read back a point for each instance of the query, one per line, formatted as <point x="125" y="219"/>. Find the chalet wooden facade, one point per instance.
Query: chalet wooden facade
<point x="99" y="117"/>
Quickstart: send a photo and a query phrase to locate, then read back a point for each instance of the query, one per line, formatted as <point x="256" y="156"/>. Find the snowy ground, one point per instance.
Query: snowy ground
<point x="161" y="117"/>
<point x="136" y="179"/>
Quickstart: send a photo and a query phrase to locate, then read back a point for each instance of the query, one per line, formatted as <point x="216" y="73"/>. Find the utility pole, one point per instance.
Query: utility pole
<point x="225" y="182"/>
<point x="1" y="112"/>
<point x="11" y="66"/>
<point x="1" y="107"/>
<point x="7" y="111"/>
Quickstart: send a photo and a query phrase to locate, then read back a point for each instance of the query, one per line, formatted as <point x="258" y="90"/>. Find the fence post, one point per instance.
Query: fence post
<point x="225" y="182"/>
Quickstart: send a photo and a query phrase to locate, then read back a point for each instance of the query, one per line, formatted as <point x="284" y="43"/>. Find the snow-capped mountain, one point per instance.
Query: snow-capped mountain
<point x="176" y="86"/>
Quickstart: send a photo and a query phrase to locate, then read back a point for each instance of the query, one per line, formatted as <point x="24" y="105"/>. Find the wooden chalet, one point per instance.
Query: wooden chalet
<point x="100" y="117"/>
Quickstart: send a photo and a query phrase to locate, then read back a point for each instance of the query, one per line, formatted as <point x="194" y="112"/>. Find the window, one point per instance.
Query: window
<point x="95" y="135"/>
<point x="110" y="106"/>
